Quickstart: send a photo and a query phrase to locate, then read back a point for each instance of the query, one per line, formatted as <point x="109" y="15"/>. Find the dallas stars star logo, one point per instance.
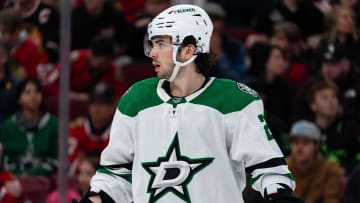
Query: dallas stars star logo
<point x="173" y="172"/>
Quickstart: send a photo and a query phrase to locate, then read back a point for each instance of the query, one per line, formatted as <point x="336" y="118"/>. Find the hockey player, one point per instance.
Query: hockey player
<point x="184" y="136"/>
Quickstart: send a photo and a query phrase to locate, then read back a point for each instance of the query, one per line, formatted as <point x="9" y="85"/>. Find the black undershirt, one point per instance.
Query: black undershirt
<point x="166" y="86"/>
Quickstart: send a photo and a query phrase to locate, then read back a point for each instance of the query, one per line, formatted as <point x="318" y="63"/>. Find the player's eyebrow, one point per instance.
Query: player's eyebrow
<point x="158" y="41"/>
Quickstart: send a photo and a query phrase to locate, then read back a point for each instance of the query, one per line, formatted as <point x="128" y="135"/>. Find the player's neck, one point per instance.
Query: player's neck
<point x="187" y="82"/>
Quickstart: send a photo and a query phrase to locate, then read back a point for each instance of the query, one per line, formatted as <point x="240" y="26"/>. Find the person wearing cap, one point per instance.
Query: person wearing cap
<point x="185" y="136"/>
<point x="89" y="135"/>
<point x="334" y="66"/>
<point x="229" y="52"/>
<point x="342" y="133"/>
<point x="317" y="178"/>
<point x="8" y="85"/>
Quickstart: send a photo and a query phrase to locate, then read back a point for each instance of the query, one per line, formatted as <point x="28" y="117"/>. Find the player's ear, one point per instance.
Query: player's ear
<point x="188" y="51"/>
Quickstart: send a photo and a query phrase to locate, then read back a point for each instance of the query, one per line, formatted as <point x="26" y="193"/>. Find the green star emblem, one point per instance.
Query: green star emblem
<point x="173" y="172"/>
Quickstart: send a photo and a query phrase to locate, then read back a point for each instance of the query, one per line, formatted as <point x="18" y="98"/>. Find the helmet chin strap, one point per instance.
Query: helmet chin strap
<point x="178" y="64"/>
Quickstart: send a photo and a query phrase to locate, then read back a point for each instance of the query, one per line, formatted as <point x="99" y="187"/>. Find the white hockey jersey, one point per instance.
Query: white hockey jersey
<point x="193" y="149"/>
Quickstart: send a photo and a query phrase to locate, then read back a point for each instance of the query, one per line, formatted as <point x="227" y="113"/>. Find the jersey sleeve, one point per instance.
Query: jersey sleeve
<point x="114" y="176"/>
<point x="254" y="147"/>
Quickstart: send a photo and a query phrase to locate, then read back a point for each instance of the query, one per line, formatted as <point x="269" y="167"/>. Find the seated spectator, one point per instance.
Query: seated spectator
<point x="287" y="36"/>
<point x="341" y="135"/>
<point x="87" y="169"/>
<point x="29" y="136"/>
<point x="267" y="66"/>
<point x="341" y="30"/>
<point x="95" y="18"/>
<point x="88" y="136"/>
<point x="152" y="8"/>
<point x="87" y="68"/>
<point x="130" y="9"/>
<point x="23" y="49"/>
<point x="298" y="12"/>
<point x="11" y="190"/>
<point x="336" y="67"/>
<point x="317" y="178"/>
<point x="229" y="52"/>
<point x="7" y="86"/>
<point x="42" y="22"/>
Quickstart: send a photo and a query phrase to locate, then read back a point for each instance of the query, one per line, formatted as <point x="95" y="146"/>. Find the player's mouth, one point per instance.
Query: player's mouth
<point x="156" y="65"/>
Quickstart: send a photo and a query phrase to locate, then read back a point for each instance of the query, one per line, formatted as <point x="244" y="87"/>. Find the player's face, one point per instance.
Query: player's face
<point x="325" y="103"/>
<point x="161" y="54"/>
<point x="303" y="149"/>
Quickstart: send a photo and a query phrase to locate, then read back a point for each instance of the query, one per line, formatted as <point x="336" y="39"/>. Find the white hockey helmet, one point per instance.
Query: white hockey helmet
<point x="178" y="22"/>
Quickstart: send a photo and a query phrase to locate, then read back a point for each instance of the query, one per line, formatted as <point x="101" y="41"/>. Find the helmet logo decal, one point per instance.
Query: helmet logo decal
<point x="183" y="10"/>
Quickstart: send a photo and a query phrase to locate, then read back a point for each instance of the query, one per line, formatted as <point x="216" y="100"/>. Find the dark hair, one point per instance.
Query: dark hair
<point x="102" y="46"/>
<point x="204" y="61"/>
<point x="20" y="88"/>
<point x="259" y="55"/>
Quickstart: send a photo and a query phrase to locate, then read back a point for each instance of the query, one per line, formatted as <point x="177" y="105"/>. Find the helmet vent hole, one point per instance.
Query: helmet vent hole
<point x="205" y="22"/>
<point x="199" y="15"/>
<point x="159" y="23"/>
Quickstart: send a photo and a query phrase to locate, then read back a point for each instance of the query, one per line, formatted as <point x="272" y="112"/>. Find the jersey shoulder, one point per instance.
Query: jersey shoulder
<point x="227" y="96"/>
<point x="140" y="95"/>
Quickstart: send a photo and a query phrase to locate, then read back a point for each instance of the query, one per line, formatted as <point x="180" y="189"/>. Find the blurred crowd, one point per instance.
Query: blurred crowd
<point x="301" y="56"/>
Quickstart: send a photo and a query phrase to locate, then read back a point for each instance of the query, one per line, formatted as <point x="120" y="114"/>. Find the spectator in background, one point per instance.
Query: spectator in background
<point x="42" y="22"/>
<point x="23" y="49"/>
<point x="99" y="18"/>
<point x="335" y="66"/>
<point x="300" y="12"/>
<point x="7" y="86"/>
<point x="341" y="30"/>
<point x="88" y="136"/>
<point x="355" y="5"/>
<point x="317" y="178"/>
<point x="11" y="190"/>
<point x="287" y="36"/>
<point x="341" y="135"/>
<point x="29" y="136"/>
<point x="267" y="66"/>
<point x="130" y="9"/>
<point x="152" y="8"/>
<point x="229" y="52"/>
<point x="89" y="67"/>
<point x="87" y="169"/>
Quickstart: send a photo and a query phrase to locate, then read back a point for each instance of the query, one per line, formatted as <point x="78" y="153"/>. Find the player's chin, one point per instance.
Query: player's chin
<point x="160" y="75"/>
